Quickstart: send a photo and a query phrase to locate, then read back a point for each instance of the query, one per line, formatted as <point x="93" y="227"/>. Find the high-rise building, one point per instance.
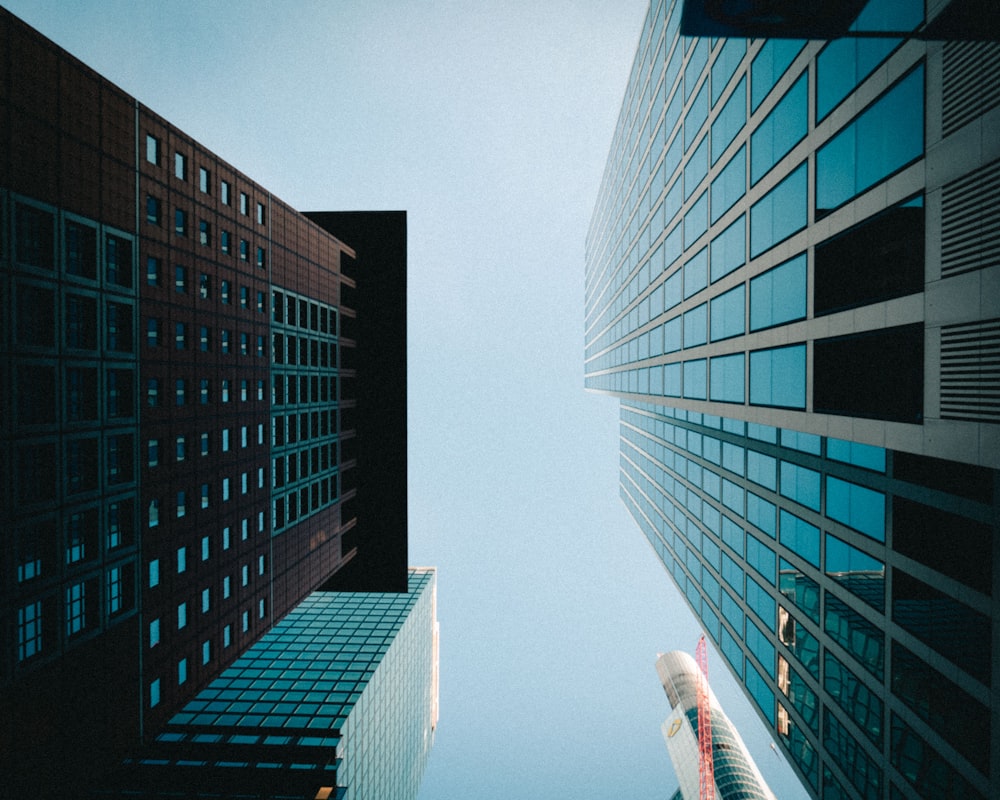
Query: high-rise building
<point x="736" y="774"/>
<point x="338" y="700"/>
<point x="182" y="437"/>
<point x="793" y="286"/>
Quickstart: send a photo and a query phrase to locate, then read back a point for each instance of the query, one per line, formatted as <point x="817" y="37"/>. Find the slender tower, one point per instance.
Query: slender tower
<point x="736" y="774"/>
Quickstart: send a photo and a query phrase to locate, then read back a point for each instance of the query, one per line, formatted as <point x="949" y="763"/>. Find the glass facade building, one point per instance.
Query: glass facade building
<point x="792" y="285"/>
<point x="338" y="699"/>
<point x="736" y="774"/>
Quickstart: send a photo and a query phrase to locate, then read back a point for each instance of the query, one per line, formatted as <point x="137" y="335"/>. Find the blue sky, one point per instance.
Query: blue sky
<point x="490" y="125"/>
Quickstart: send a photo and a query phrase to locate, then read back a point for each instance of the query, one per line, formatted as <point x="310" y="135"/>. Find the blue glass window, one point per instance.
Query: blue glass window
<point x="800" y="537"/>
<point x="732" y="496"/>
<point x="696" y="273"/>
<point x="673" y="285"/>
<point x="856" y="506"/>
<point x="730" y="185"/>
<point x="761" y="558"/>
<point x="888" y="135"/>
<point x="806" y="442"/>
<point x="672" y="335"/>
<point x="800" y="484"/>
<point x="779" y="295"/>
<point x="762" y="603"/>
<point x="845" y="63"/>
<point x="758" y="686"/>
<point x="696" y="219"/>
<point x="861" y="638"/>
<point x="730" y="120"/>
<point x="672" y="380"/>
<point x="780" y="213"/>
<point x="732" y="534"/>
<point x="778" y="377"/>
<point x="696" y="326"/>
<point x="733" y="652"/>
<point x="695" y="118"/>
<point x="732" y="574"/>
<point x="760" y="646"/>
<point x="695" y="379"/>
<point x="861" y="455"/>
<point x="727" y="379"/>
<point x="856" y="571"/>
<point x="729" y="249"/>
<point x="780" y="131"/>
<point x="728" y="313"/>
<point x="762" y="469"/>
<point x="696" y="63"/>
<point x="696" y="168"/>
<point x="761" y="512"/>
<point x="732" y="612"/>
<point x="769" y="65"/>
<point x="732" y="457"/>
<point x="726" y="63"/>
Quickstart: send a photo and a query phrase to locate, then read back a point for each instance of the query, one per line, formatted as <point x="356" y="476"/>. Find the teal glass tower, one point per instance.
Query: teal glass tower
<point x="792" y="285"/>
<point x="338" y="700"/>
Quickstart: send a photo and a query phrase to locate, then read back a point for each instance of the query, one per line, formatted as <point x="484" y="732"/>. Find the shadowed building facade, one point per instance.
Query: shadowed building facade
<point x="792" y="284"/>
<point x="181" y="452"/>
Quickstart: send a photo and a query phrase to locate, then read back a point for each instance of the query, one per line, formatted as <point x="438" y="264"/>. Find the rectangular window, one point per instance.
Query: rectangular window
<point x="115" y="590"/>
<point x="226" y="193"/>
<point x="204" y="233"/>
<point x="205" y="339"/>
<point x="260" y="213"/>
<point x="181" y="616"/>
<point x="29" y="631"/>
<point x="180" y="166"/>
<point x="780" y="131"/>
<point x="180" y="222"/>
<point x="180" y="279"/>
<point x="154" y="212"/>
<point x="778" y="377"/>
<point x="206" y="600"/>
<point x="225" y="241"/>
<point x="727" y="378"/>
<point x="225" y="292"/>
<point x="180" y="336"/>
<point x="205" y="443"/>
<point x="181" y="505"/>
<point x="244" y="249"/>
<point x="75" y="608"/>
<point x="154" y="573"/>
<point x="152" y="149"/>
<point x="779" y="295"/>
<point x="856" y="506"/>
<point x="800" y="537"/>
<point x="152" y="271"/>
<point x="244" y="203"/>
<point x="154" y="693"/>
<point x="780" y="213"/>
<point x="154" y="633"/>
<point x="261" y="257"/>
<point x="182" y="671"/>
<point x="728" y="314"/>
<point x="730" y="185"/>
<point x="769" y="65"/>
<point x="204" y="180"/>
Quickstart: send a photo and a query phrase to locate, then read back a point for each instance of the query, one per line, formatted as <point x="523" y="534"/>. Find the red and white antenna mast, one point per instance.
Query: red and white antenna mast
<point x="706" y="765"/>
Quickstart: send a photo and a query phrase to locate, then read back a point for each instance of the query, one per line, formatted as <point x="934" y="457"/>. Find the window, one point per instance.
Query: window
<point x="34" y="236"/>
<point x="154" y="211"/>
<point x="180" y="335"/>
<point x="152" y="271"/>
<point x="118" y="323"/>
<point x="181" y="448"/>
<point x="152" y="149"/>
<point x="261" y="257"/>
<point x="154" y="514"/>
<point x="154" y="633"/>
<point x="152" y="332"/>
<point x="779" y="295"/>
<point x="226" y="193"/>
<point x="730" y="185"/>
<point x="205" y="340"/>
<point x="29" y="630"/>
<point x="180" y="279"/>
<point x="800" y="537"/>
<point x="180" y="166"/>
<point x="244" y="203"/>
<point x="115" y="590"/>
<point x="204" y="495"/>
<point x="225" y="292"/>
<point x="887" y="136"/>
<point x="800" y="484"/>
<point x="696" y="220"/>
<point x="181" y="504"/>
<point x="204" y="180"/>
<point x="206" y="600"/>
<point x="154" y="693"/>
<point x="727" y="378"/>
<point x="780" y="213"/>
<point x="695" y="379"/>
<point x="205" y="548"/>
<point x="696" y="326"/>
<point x="206" y="651"/>
<point x="154" y="573"/>
<point x="244" y="249"/>
<point x="180" y="390"/>
<point x="225" y="336"/>
<point x="226" y="587"/>
<point x="727" y="313"/>
<point x="227" y="636"/>
<point x="260" y="213"/>
<point x="205" y="442"/>
<point x="180" y="222"/>
<point x="75" y="608"/>
<point x="81" y="250"/>
<point x="181" y="616"/>
<point x="778" y="377"/>
<point x="245" y="575"/>
<point x="224" y="241"/>
<point x="153" y="450"/>
<point x="153" y="392"/>
<point x="225" y="481"/>
<point x="204" y="233"/>
<point x="783" y="128"/>
<point x="731" y="119"/>
<point x="182" y="671"/>
<point x="246" y="621"/>
<point x="769" y="65"/>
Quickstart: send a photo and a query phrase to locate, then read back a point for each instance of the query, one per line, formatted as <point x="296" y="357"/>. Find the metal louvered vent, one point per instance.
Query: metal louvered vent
<point x="970" y="371"/>
<point x="970" y="221"/>
<point x="971" y="82"/>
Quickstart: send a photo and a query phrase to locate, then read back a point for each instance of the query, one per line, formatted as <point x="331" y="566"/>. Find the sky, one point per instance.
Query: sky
<point x="490" y="125"/>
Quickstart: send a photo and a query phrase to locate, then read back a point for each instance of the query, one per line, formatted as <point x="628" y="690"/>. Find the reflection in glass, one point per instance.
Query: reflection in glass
<point x="856" y="571"/>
